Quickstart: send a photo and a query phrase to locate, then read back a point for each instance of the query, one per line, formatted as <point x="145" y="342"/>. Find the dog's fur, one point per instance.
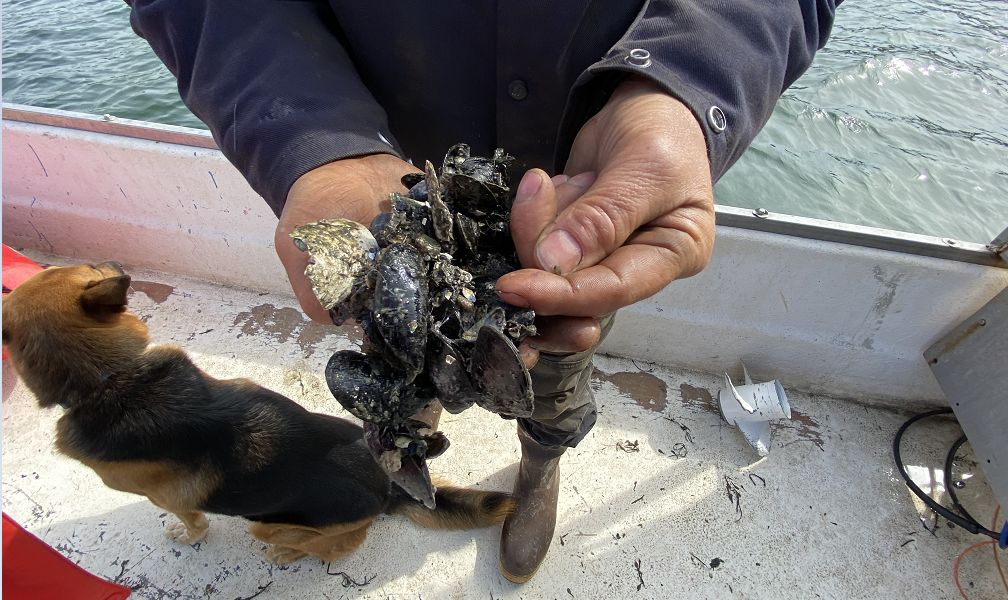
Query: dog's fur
<point x="148" y="421"/>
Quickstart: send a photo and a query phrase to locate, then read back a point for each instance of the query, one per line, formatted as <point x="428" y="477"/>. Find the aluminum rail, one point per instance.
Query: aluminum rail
<point x="860" y="235"/>
<point x="186" y="136"/>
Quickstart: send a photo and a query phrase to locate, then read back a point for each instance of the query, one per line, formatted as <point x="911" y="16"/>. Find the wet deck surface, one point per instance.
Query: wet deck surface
<point x="663" y="499"/>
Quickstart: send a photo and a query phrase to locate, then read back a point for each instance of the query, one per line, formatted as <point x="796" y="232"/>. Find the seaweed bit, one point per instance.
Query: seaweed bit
<point x="420" y="282"/>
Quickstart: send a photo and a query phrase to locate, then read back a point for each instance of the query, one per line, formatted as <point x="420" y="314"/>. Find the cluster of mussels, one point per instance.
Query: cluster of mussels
<point x="420" y="282"/>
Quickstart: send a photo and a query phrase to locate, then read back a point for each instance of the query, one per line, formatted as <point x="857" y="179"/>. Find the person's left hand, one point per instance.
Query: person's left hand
<point x="592" y="244"/>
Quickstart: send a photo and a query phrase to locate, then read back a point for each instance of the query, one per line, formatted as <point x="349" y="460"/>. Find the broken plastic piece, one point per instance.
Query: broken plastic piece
<point x="752" y="406"/>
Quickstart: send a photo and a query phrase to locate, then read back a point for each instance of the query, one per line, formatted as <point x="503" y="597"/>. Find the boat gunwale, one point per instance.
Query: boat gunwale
<point x="727" y="216"/>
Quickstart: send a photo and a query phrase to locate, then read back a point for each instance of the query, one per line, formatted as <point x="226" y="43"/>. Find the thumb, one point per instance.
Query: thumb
<point x="600" y="221"/>
<point x="535" y="205"/>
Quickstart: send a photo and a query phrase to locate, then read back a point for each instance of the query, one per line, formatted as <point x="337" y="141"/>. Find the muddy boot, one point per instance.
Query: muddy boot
<point x="528" y="531"/>
<point x="430" y="414"/>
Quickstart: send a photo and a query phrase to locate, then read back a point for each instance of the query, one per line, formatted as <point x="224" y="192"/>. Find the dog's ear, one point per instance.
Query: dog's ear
<point x="107" y="295"/>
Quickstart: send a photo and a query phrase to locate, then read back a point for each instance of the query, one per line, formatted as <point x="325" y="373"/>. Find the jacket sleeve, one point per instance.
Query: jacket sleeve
<point x="277" y="109"/>
<point x="729" y="61"/>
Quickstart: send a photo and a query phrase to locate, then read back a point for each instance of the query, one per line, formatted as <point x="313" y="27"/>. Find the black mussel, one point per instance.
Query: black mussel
<point x="370" y="389"/>
<point x="419" y="191"/>
<point x="500" y="376"/>
<point x="409" y="180"/>
<point x="447" y="372"/>
<point x="474" y="197"/>
<point x="458" y="160"/>
<point x="400" y="307"/>
<point x="409" y="218"/>
<point x="467" y="231"/>
<point x="402" y="455"/>
<point x="378" y="226"/>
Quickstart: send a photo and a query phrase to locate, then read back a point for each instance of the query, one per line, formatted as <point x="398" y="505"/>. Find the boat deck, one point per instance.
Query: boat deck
<point x="662" y="500"/>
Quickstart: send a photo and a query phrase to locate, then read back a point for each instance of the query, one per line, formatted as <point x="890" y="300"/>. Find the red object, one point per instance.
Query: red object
<point x="34" y="571"/>
<point x="16" y="268"/>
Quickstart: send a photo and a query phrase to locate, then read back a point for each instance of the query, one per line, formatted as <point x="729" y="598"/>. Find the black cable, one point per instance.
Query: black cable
<point x="969" y="525"/>
<point x="949" y="458"/>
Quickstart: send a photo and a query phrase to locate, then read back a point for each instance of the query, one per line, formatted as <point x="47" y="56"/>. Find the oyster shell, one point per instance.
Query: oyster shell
<point x="340" y="253"/>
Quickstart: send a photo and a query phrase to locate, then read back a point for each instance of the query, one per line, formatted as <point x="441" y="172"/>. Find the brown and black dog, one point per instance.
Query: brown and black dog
<point x="148" y="421"/>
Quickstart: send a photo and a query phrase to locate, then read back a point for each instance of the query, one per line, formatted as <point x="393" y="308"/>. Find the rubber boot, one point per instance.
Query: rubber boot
<point x="528" y="531"/>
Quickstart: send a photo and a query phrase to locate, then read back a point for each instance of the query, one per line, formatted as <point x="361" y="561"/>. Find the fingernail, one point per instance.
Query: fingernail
<point x="529" y="355"/>
<point x="513" y="299"/>
<point x="528" y="187"/>
<point x="559" y="179"/>
<point x="559" y="252"/>
<point x="582" y="180"/>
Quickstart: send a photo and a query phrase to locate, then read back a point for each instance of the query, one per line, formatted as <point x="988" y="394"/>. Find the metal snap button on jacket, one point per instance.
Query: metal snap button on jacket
<point x="518" y="90"/>
<point x="639" y="57"/>
<point x="716" y="119"/>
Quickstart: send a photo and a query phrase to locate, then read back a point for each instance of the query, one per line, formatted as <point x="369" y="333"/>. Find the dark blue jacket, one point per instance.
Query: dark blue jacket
<point x="286" y="85"/>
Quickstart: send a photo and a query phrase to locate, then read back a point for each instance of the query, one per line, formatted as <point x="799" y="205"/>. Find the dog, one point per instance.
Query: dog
<point x="148" y="421"/>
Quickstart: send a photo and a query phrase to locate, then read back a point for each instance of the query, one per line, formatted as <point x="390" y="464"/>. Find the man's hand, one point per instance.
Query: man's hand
<point x="633" y="212"/>
<point x="352" y="188"/>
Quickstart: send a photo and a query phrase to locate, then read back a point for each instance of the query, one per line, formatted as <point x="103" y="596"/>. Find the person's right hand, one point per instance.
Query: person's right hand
<point x="352" y="188"/>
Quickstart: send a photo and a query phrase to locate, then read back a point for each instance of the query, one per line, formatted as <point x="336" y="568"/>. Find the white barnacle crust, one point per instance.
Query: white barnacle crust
<point x="341" y="254"/>
<point x="390" y="461"/>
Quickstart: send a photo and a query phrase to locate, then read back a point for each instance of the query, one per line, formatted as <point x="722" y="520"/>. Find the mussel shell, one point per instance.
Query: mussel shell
<point x="437" y="444"/>
<point x="441" y="216"/>
<point x="411" y="475"/>
<point x="411" y="179"/>
<point x="379" y="225"/>
<point x="494" y="170"/>
<point x="419" y="191"/>
<point x="454" y="158"/>
<point x="370" y="389"/>
<point x="408" y="219"/>
<point x="400" y="306"/>
<point x="499" y="375"/>
<point x="448" y="374"/>
<point x="468" y="233"/>
<point x="473" y="197"/>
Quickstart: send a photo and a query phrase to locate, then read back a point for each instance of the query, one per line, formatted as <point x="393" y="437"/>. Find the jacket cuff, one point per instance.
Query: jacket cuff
<point x="306" y="147"/>
<point x="728" y="63"/>
<point x="619" y="65"/>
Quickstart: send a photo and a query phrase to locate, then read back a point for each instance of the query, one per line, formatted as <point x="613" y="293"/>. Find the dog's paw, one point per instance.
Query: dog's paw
<point x="283" y="555"/>
<point x="178" y="532"/>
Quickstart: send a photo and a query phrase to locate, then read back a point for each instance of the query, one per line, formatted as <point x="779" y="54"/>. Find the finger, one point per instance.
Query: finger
<point x="529" y="355"/>
<point x="633" y="272"/>
<point x="294" y="262"/>
<point x="565" y="334"/>
<point x="599" y="221"/>
<point x="572" y="188"/>
<point x="638" y="272"/>
<point x="533" y="209"/>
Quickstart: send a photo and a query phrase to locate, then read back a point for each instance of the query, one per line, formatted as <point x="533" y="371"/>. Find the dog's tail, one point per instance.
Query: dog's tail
<point x="458" y="508"/>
